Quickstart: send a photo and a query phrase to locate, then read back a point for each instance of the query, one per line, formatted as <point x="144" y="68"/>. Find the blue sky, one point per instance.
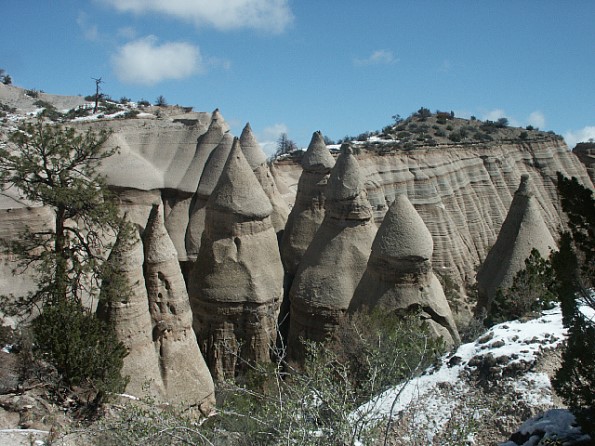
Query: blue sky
<point x="296" y="66"/>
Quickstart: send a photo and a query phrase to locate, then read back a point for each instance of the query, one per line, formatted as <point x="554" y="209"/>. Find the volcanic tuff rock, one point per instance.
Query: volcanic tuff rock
<point x="183" y="369"/>
<point x="463" y="191"/>
<point x="335" y="260"/>
<point x="257" y="160"/>
<point x="236" y="283"/>
<point x="585" y="151"/>
<point x="132" y="320"/>
<point x="399" y="274"/>
<point x="307" y="213"/>
<point x="207" y="183"/>
<point x="523" y="230"/>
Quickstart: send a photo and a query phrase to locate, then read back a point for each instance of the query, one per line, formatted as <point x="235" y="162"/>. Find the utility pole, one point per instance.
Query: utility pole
<point x="97" y="83"/>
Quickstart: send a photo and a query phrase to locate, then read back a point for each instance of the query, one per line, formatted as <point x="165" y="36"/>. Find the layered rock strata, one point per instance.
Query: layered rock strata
<point x="585" y="151"/>
<point x="183" y="370"/>
<point x="463" y="191"/>
<point x="399" y="276"/>
<point x="335" y="260"/>
<point x="523" y="230"/>
<point x="236" y="283"/>
<point x="258" y="162"/>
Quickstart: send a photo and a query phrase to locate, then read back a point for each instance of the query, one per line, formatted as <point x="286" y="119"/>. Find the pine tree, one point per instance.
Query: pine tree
<point x="57" y="167"/>
<point x="574" y="266"/>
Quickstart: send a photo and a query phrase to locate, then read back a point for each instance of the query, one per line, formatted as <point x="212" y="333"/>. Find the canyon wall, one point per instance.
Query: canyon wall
<point x="462" y="192"/>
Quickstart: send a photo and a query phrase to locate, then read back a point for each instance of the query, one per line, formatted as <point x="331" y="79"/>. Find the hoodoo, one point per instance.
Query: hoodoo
<point x="257" y="160"/>
<point x="208" y="181"/>
<point x="131" y="319"/>
<point x="523" y="230"/>
<point x="184" y="372"/>
<point x="236" y="283"/>
<point x="177" y="210"/>
<point x="335" y="260"/>
<point x="399" y="274"/>
<point x="307" y="213"/>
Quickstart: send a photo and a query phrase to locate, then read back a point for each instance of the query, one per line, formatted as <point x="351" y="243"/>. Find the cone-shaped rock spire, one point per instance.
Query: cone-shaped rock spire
<point x="257" y="160"/>
<point x="317" y="158"/>
<point x="399" y="274"/>
<point x="307" y="213"/>
<point x="130" y="317"/>
<point x="178" y="206"/>
<point x="252" y="151"/>
<point x="236" y="283"/>
<point x="238" y="192"/>
<point x="336" y="259"/>
<point x="208" y="181"/>
<point x="183" y="369"/>
<point x="523" y="230"/>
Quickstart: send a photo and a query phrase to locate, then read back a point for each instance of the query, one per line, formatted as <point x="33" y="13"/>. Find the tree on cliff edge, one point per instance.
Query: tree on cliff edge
<point x="57" y="167"/>
<point x="574" y="266"/>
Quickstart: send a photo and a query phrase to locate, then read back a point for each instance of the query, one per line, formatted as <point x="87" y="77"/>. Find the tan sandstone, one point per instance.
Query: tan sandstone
<point x="335" y="260"/>
<point x="523" y="230"/>
<point x="236" y="283"/>
<point x="258" y="162"/>
<point x="399" y="276"/>
<point x="185" y="375"/>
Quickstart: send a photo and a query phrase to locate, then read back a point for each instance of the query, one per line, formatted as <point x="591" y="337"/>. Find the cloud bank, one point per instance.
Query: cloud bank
<point x="378" y="57"/>
<point x="146" y="62"/>
<point x="572" y="137"/>
<point x="264" y="15"/>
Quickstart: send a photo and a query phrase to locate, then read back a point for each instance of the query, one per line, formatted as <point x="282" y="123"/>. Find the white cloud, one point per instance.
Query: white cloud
<point x="269" y="136"/>
<point x="90" y="31"/>
<point x="127" y="32"/>
<point x="265" y="15"/>
<point x="572" y="137"/>
<point x="146" y="62"/>
<point x="537" y="119"/>
<point x="497" y="113"/>
<point x="378" y="57"/>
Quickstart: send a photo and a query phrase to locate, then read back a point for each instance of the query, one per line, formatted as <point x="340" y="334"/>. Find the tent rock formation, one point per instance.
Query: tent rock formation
<point x="236" y="283"/>
<point x="399" y="274"/>
<point x="335" y="260"/>
<point x="523" y="230"/>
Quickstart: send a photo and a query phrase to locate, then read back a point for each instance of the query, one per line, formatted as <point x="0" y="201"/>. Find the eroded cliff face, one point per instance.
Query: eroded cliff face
<point x="463" y="192"/>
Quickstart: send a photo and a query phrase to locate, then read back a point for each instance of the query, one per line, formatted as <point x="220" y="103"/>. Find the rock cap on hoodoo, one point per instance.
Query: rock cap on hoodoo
<point x="317" y="158"/>
<point x="214" y="166"/>
<point x="252" y="151"/>
<point x="238" y="190"/>
<point x="346" y="194"/>
<point x="403" y="233"/>
<point x="158" y="245"/>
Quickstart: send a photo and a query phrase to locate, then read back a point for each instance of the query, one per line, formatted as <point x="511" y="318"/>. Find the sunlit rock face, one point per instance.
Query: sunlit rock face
<point x="236" y="283"/>
<point x="183" y="370"/>
<point x="399" y="276"/>
<point x="208" y="181"/>
<point x="335" y="260"/>
<point x="523" y="230"/>
<point x="154" y="321"/>
<point x="258" y="162"/>
<point x="129" y="315"/>
<point x="178" y="212"/>
<point x="307" y="213"/>
<point x="463" y="191"/>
